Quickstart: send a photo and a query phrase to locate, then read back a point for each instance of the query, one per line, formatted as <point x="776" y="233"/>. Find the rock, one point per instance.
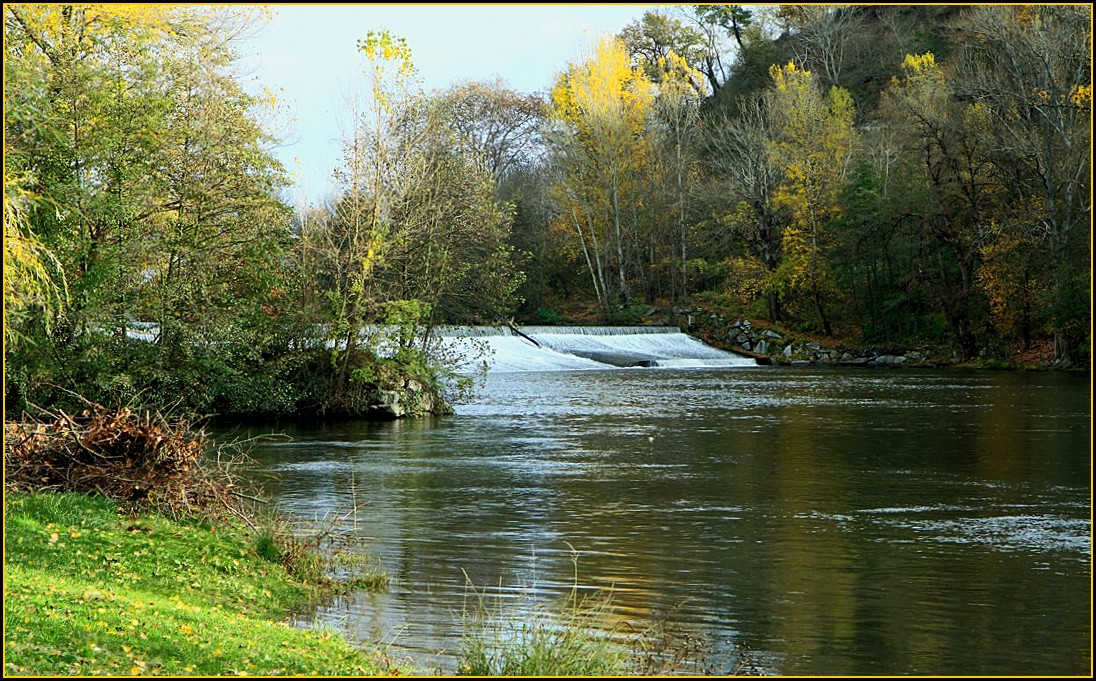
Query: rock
<point x="846" y="357"/>
<point x="788" y="351"/>
<point x="762" y="347"/>
<point x="772" y="334"/>
<point x="387" y="404"/>
<point x="899" y="361"/>
<point x="745" y="344"/>
<point x="801" y="363"/>
<point x="742" y="339"/>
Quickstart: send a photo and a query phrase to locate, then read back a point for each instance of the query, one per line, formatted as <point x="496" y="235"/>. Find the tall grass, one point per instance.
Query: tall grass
<point x="577" y="635"/>
<point x="564" y="638"/>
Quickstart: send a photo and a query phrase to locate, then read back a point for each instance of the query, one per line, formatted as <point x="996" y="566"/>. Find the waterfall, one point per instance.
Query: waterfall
<point x="582" y="347"/>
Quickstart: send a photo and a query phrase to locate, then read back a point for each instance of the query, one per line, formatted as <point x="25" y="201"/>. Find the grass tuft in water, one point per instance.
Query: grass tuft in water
<point x="565" y="638"/>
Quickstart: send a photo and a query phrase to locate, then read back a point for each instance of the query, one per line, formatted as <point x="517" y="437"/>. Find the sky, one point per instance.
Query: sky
<point x="306" y="55"/>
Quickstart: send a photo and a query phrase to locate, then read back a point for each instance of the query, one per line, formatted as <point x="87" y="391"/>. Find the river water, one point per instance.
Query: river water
<point x="828" y="521"/>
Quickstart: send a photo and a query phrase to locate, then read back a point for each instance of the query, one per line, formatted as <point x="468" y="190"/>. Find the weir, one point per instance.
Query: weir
<point x="553" y="348"/>
<point x="549" y="348"/>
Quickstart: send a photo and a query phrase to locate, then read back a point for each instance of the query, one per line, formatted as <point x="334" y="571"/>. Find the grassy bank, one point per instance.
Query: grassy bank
<point x="90" y="591"/>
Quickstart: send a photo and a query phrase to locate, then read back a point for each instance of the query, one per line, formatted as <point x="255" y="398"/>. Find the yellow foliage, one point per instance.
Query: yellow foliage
<point x="384" y="46"/>
<point x="1007" y="279"/>
<point x="1081" y="96"/>
<point x="33" y="278"/>
<point x="919" y="63"/>
<point x="746" y="279"/>
<point x="604" y="96"/>
<point x="813" y="148"/>
<point x="679" y="79"/>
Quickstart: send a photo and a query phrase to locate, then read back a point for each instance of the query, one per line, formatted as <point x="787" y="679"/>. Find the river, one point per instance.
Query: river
<point x="817" y="521"/>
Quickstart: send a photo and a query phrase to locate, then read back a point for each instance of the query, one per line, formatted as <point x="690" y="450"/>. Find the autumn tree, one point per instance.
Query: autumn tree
<point x="599" y="115"/>
<point x="152" y="187"/>
<point x="746" y="176"/>
<point x="813" y="148"/>
<point x="651" y="39"/>
<point x="416" y="235"/>
<point x="826" y="37"/>
<point x="675" y="121"/>
<point x="717" y="24"/>
<point x="949" y="186"/>
<point x="1030" y="70"/>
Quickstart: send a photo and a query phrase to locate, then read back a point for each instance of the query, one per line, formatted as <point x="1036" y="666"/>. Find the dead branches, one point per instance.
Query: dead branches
<point x="143" y="459"/>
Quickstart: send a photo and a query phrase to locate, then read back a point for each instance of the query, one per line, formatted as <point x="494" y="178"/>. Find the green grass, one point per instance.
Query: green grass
<point x="89" y="591"/>
<point x="560" y="640"/>
<point x="571" y="637"/>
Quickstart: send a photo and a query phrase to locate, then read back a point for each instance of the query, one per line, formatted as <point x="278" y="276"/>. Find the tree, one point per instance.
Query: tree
<point x="151" y="186"/>
<point x="357" y="237"/>
<point x="33" y="277"/>
<point x="813" y="148"/>
<point x="652" y="38"/>
<point x="825" y="36"/>
<point x="748" y="176"/>
<point x="676" y="117"/>
<point x="716" y="23"/>
<point x="599" y="116"/>
<point x="495" y="123"/>
<point x="416" y="237"/>
<point x="949" y="187"/>
<point x="1030" y="68"/>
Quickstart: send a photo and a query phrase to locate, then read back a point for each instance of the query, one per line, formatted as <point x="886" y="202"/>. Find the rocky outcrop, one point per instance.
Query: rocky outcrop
<point x="374" y="389"/>
<point x="411" y="397"/>
<point x="769" y="346"/>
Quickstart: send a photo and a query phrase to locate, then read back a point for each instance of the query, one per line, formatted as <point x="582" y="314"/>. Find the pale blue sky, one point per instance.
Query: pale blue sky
<point x="306" y="55"/>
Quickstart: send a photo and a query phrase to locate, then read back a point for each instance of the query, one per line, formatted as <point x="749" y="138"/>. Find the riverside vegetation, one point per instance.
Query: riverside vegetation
<point x="877" y="176"/>
<point x="129" y="551"/>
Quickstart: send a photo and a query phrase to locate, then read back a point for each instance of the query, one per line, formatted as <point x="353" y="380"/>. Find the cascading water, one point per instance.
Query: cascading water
<point x="550" y="348"/>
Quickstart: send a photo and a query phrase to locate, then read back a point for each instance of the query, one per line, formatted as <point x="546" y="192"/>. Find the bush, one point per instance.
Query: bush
<point x="548" y="317"/>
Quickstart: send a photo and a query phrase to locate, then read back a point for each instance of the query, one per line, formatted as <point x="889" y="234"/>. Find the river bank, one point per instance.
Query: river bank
<point x="90" y="590"/>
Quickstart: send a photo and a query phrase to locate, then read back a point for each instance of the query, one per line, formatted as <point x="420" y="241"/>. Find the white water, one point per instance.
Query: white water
<point x="572" y="348"/>
<point x="583" y="348"/>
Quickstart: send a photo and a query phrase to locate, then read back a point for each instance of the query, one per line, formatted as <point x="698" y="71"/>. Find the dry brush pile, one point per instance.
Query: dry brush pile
<point x="142" y="459"/>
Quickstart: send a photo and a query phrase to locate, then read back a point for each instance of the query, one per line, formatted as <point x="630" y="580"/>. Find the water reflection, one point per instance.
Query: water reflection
<point x="836" y="522"/>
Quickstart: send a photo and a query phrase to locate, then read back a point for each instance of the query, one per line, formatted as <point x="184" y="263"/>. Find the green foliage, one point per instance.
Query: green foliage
<point x="627" y="316"/>
<point x="548" y="316"/>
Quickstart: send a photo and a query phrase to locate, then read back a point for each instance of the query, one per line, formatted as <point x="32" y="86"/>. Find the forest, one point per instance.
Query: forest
<point x="889" y="175"/>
